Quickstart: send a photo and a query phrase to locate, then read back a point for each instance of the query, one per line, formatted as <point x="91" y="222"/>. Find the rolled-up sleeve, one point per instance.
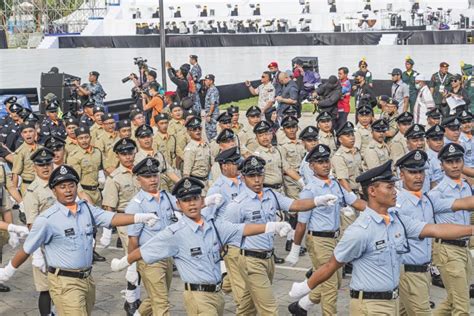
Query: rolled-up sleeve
<point x="413" y="226"/>
<point x="162" y="245"/>
<point x="351" y="246"/>
<point x="229" y="232"/>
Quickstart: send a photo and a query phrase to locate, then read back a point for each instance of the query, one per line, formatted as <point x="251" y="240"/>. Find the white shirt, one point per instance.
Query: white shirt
<point x="424" y="103"/>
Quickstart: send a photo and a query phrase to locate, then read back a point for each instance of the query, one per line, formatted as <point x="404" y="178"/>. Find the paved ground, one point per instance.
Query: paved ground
<point x="22" y="299"/>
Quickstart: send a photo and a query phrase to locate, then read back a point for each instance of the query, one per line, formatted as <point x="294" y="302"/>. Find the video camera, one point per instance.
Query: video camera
<point x="69" y="82"/>
<point x="140" y="62"/>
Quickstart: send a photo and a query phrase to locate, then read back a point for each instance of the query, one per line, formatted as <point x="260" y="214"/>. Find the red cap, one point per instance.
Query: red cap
<point x="273" y="64"/>
<point x="170" y="93"/>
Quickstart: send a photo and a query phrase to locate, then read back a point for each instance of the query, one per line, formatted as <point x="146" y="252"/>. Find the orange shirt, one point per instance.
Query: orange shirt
<point x="418" y="194"/>
<point x="156" y="105"/>
<point x="386" y="218"/>
<point x="72" y="208"/>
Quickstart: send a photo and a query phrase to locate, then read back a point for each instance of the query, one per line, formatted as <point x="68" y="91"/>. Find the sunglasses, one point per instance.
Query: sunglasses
<point x="195" y="129"/>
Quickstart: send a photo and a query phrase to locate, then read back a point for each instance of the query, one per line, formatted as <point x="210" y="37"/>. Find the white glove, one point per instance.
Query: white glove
<point x="7" y="272"/>
<point x="13" y="241"/>
<point x="301" y="182"/>
<point x="148" y="219"/>
<point x="325" y="200"/>
<point x="281" y="228"/>
<point x="21" y="231"/>
<point x="22" y="207"/>
<point x="347" y="211"/>
<point x="38" y="260"/>
<point x="298" y="290"/>
<point x="132" y="274"/>
<point x="119" y="264"/>
<point x="294" y="254"/>
<point x="215" y="199"/>
<point x="106" y="237"/>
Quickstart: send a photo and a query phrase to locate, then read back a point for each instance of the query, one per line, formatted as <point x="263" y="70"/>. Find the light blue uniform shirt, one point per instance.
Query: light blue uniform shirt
<point x="443" y="196"/>
<point x="324" y="218"/>
<point x="372" y="247"/>
<point x="436" y="174"/>
<point x="195" y="248"/>
<point x="228" y="189"/>
<point x="248" y="208"/>
<point x="305" y="171"/>
<point x="67" y="238"/>
<point x="421" y="210"/>
<point x="468" y="145"/>
<point x="144" y="202"/>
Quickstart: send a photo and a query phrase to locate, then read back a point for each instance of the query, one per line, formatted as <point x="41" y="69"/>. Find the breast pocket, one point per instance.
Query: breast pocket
<point x="216" y="252"/>
<point x="381" y="253"/>
<point x="70" y="243"/>
<point x="254" y="216"/>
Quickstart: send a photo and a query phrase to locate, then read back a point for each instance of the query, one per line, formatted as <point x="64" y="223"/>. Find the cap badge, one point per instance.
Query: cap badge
<point x="310" y="129"/>
<point x="437" y="129"/>
<point x="187" y="184"/>
<point x="43" y="153"/>
<point x="254" y="162"/>
<point x="63" y="170"/>
<point x="464" y="113"/>
<point x="149" y="163"/>
<point x="451" y="149"/>
<point x="321" y="149"/>
<point x="456" y="121"/>
<point x="124" y="142"/>
<point x="417" y="156"/>
<point x="416" y="128"/>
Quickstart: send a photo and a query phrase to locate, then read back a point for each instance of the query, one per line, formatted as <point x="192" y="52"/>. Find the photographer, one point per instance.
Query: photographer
<point x="152" y="103"/>
<point x="327" y="95"/>
<point x="178" y="77"/>
<point x="93" y="89"/>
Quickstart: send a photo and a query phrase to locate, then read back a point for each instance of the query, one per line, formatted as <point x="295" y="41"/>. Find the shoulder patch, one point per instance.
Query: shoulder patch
<point x="177" y="226"/>
<point x="363" y="221"/>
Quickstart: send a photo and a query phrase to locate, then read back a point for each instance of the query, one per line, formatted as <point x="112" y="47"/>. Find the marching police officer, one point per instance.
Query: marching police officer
<point x="309" y="137"/>
<point x="257" y="204"/>
<point x="377" y="152"/>
<point x="433" y="117"/>
<point x="56" y="145"/>
<point x="248" y="143"/>
<point x="374" y="244"/>
<point x="225" y="140"/>
<point x="398" y="144"/>
<point x="195" y="242"/>
<point x="52" y="125"/>
<point x="87" y="118"/>
<point x="390" y="114"/>
<point x="435" y="141"/>
<point x="71" y="140"/>
<point x="362" y="130"/>
<point x="65" y="231"/>
<point x="37" y="199"/>
<point x="323" y="223"/>
<point x="326" y="135"/>
<point x="106" y="139"/>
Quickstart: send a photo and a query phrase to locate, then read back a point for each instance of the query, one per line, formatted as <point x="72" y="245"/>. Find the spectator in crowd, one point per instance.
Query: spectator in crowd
<point x="275" y="71"/>
<point x="400" y="91"/>
<point x="93" y="89"/>
<point x="272" y="118"/>
<point x="458" y="95"/>
<point x="178" y="77"/>
<point x="327" y="97"/>
<point x="424" y="100"/>
<point x="152" y="103"/>
<point x="362" y="90"/>
<point x="440" y="85"/>
<point x="307" y="79"/>
<point x="265" y="91"/>
<point x="368" y="75"/>
<point x="211" y="107"/>
<point x="343" y="105"/>
<point x="408" y="77"/>
<point x="288" y="95"/>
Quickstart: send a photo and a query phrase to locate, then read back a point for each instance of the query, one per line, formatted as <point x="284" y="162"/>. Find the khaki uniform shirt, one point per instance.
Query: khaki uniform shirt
<point x="362" y="137"/>
<point x="375" y="155"/>
<point x="275" y="166"/>
<point x="236" y="128"/>
<point x="347" y="165"/>
<point x="106" y="145"/>
<point x="398" y="147"/>
<point x="87" y="165"/>
<point x="120" y="187"/>
<point x="71" y="145"/>
<point x="142" y="154"/>
<point x="197" y="159"/>
<point x="22" y="164"/>
<point x="329" y="140"/>
<point x="248" y="141"/>
<point x="37" y="199"/>
<point x="392" y="123"/>
<point x="168" y="146"/>
<point x="5" y="181"/>
<point x="177" y="129"/>
<point x="97" y="132"/>
<point x="293" y="152"/>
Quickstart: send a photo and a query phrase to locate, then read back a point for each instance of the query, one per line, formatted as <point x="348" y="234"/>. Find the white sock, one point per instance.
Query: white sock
<point x="130" y="296"/>
<point x="305" y="303"/>
<point x="290" y="235"/>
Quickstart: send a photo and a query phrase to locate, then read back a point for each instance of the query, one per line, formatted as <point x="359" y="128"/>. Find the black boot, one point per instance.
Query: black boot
<point x="296" y="310"/>
<point x="432" y="304"/>
<point x="97" y="258"/>
<point x="471" y="291"/>
<point x="4" y="288"/>
<point x="131" y="308"/>
<point x="436" y="280"/>
<point x="278" y="260"/>
<point x="288" y="245"/>
<point x="119" y="243"/>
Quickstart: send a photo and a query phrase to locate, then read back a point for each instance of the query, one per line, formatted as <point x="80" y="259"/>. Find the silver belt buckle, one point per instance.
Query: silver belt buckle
<point x="218" y="287"/>
<point x="395" y="294"/>
<point x="336" y="233"/>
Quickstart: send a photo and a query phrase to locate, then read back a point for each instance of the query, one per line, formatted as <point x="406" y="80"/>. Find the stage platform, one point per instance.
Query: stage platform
<point x="274" y="39"/>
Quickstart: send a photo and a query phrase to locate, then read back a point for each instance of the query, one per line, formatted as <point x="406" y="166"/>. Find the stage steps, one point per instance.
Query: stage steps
<point x="388" y="39"/>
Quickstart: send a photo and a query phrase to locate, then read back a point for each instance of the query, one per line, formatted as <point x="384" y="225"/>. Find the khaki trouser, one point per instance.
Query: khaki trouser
<point x="166" y="183"/>
<point x="41" y="280"/>
<point x="415" y="293"/>
<point x="320" y="250"/>
<point x="471" y="240"/>
<point x="359" y="306"/>
<point x="258" y="277"/>
<point x="157" y="278"/>
<point x="232" y="264"/>
<point x="204" y="303"/>
<point x="455" y="265"/>
<point x="72" y="296"/>
<point x="292" y="188"/>
<point x="95" y="196"/>
<point x="123" y="235"/>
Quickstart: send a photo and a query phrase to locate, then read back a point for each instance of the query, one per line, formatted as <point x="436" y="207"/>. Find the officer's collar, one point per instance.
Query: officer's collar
<point x="452" y="183"/>
<point x="376" y="216"/>
<point x="229" y="181"/>
<point x="411" y="197"/>
<point x="322" y="183"/>
<point x="254" y="195"/>
<point x="148" y="196"/>
<point x="195" y="226"/>
<point x="66" y="211"/>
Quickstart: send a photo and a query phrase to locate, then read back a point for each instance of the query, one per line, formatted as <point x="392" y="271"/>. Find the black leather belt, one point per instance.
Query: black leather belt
<point x="200" y="178"/>
<point x="390" y="295"/>
<point x="416" y="268"/>
<point x="202" y="287"/>
<point x="26" y="181"/>
<point x="257" y="254"/>
<point x="272" y="186"/>
<point x="90" y="187"/>
<point x="324" y="234"/>
<point x="84" y="274"/>
<point x="460" y="243"/>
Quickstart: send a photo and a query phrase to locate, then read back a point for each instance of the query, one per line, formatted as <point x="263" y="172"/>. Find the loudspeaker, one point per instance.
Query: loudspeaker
<point x="306" y="62"/>
<point x="54" y="83"/>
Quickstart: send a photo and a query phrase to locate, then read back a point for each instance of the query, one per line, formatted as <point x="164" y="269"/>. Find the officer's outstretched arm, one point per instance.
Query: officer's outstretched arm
<point x="307" y="204"/>
<point x="468" y="171"/>
<point x="128" y="219"/>
<point x="464" y="204"/>
<point x="125" y="261"/>
<point x="298" y="290"/>
<point x="282" y="228"/>
<point x="447" y="231"/>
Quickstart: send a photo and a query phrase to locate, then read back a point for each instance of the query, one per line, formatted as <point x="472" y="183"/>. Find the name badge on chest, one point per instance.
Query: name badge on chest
<point x="379" y="245"/>
<point x="69" y="232"/>
<point x="196" y="251"/>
